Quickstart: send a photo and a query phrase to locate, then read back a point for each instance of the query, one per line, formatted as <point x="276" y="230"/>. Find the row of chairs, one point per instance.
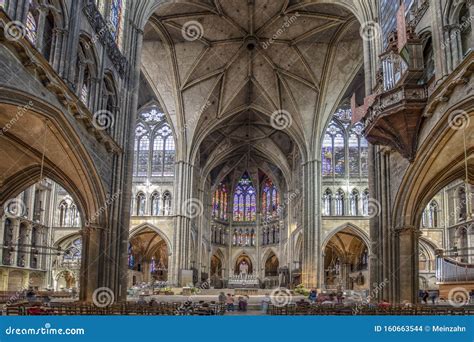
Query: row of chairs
<point x="295" y="310"/>
<point x="168" y="309"/>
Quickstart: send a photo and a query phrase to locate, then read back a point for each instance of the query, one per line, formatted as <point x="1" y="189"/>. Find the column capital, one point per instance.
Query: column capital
<point x="406" y="229"/>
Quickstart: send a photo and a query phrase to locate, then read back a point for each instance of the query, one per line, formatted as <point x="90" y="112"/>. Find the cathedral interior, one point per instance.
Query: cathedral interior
<point x="237" y="144"/>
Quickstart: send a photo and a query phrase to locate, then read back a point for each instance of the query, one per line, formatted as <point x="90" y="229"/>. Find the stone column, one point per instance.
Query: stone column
<point x="90" y="263"/>
<point x="15" y="240"/>
<point x="439" y="36"/>
<point x="40" y="28"/>
<point x="407" y="263"/>
<point x="56" y="60"/>
<point x="184" y="205"/>
<point x="26" y="245"/>
<point x="311" y="232"/>
<point x="2" y="235"/>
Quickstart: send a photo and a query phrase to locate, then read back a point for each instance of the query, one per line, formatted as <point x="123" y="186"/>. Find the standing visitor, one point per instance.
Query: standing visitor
<point x="230" y="302"/>
<point x="433" y="297"/>
<point x="221" y="298"/>
<point x="265" y="303"/>
<point x="425" y="297"/>
<point x="313" y="296"/>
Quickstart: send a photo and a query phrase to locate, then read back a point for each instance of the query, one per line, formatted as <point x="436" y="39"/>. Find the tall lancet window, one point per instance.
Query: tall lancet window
<point x="219" y="202"/>
<point x="245" y="200"/>
<point x="270" y="200"/>
<point x="32" y="22"/>
<point x="339" y="203"/>
<point x="117" y="14"/>
<point x="154" y="145"/>
<point x="327" y="203"/>
<point x="354" y="202"/>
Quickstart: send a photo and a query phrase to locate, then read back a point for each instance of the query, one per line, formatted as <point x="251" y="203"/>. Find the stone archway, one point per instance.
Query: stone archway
<point x="271" y="265"/>
<point x="148" y="256"/>
<point x="345" y="262"/>
<point x="243" y="265"/>
<point x="216" y="266"/>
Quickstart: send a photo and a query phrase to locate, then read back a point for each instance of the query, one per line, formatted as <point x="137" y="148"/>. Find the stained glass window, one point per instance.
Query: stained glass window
<point x="117" y="19"/>
<point x="270" y="200"/>
<point x="73" y="252"/>
<point x="354" y="155"/>
<point x="327" y="156"/>
<point x="154" y="145"/>
<point x="364" y="157"/>
<point x="245" y="200"/>
<point x="131" y="258"/>
<point x="339" y="155"/>
<point x="31" y="26"/>
<point x="344" y="149"/>
<point x="333" y="151"/>
<point x="219" y="202"/>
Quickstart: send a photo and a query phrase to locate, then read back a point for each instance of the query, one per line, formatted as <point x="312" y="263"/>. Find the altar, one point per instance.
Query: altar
<point x="243" y="281"/>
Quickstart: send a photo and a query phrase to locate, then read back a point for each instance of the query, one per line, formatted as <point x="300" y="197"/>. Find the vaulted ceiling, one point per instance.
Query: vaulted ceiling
<point x="259" y="77"/>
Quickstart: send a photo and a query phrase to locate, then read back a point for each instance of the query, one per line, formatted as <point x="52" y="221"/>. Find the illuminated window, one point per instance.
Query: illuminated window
<point x="154" y="145"/>
<point x="116" y="20"/>
<point x="140" y="200"/>
<point x="32" y="23"/>
<point x="155" y="204"/>
<point x="344" y="150"/>
<point x="270" y="200"/>
<point x="219" y="202"/>
<point x="327" y="203"/>
<point x="244" y="200"/>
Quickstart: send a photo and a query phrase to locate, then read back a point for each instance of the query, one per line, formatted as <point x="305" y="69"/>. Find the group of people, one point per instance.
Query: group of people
<point x="425" y="295"/>
<point x="230" y="301"/>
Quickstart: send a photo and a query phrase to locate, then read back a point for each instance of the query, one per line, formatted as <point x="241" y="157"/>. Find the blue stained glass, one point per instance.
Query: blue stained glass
<point x="116" y="17"/>
<point x="131" y="258"/>
<point x="245" y="200"/>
